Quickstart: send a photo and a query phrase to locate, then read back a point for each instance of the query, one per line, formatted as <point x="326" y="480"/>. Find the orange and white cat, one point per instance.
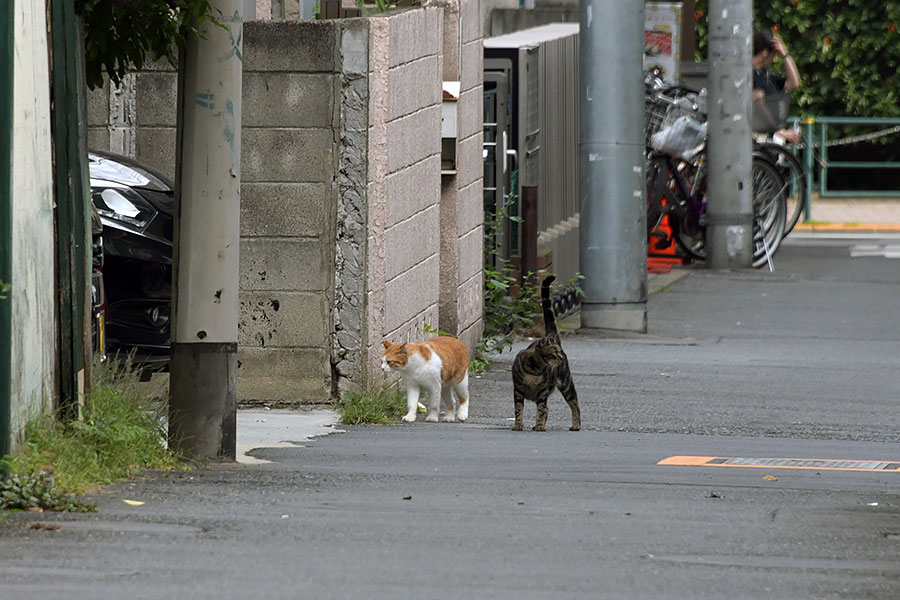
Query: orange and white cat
<point x="439" y="367"/>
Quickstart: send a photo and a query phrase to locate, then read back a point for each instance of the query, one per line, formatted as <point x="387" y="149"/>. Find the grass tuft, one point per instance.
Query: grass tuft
<point x="122" y="432"/>
<point x="377" y="406"/>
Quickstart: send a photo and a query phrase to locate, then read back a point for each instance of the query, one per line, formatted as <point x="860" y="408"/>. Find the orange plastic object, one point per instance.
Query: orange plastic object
<point x="670" y="251"/>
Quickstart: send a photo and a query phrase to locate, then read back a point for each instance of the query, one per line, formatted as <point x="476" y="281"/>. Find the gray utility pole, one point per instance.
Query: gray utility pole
<point x="613" y="191"/>
<point x="203" y="381"/>
<point x="729" y="151"/>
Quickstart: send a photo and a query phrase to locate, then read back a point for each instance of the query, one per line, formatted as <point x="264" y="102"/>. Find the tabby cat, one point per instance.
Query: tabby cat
<point x="439" y="367"/>
<point x="542" y="367"/>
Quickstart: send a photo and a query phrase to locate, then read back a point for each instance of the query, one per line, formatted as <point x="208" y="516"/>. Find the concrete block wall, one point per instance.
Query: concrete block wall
<point x="462" y="215"/>
<point x="288" y="211"/>
<point x="137" y="118"/>
<point x="469" y="209"/>
<point x="404" y="187"/>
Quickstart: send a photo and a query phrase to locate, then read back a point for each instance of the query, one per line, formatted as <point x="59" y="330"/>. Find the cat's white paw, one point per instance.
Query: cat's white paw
<point x="432" y="417"/>
<point x="462" y="413"/>
<point x="448" y="418"/>
<point x="409" y="417"/>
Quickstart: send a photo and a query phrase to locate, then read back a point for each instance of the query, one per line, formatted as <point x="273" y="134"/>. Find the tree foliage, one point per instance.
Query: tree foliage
<point x="847" y="52"/>
<point x="121" y="35"/>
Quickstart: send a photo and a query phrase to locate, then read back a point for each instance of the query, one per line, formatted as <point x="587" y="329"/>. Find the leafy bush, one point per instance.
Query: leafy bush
<point x="847" y="52"/>
<point x="122" y="34"/>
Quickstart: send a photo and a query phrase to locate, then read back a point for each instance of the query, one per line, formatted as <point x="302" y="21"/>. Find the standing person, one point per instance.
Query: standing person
<point x="766" y="47"/>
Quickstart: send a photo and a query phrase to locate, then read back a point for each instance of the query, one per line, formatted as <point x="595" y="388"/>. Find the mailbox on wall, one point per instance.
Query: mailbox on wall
<point x="450" y="98"/>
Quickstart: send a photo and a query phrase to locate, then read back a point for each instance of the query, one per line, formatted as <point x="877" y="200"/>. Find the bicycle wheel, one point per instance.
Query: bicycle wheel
<point x="656" y="181"/>
<point x="768" y="209"/>
<point x="795" y="179"/>
<point x="685" y="214"/>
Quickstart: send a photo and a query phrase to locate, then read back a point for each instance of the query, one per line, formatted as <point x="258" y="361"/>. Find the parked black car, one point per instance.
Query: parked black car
<point x="136" y="205"/>
<point x="98" y="292"/>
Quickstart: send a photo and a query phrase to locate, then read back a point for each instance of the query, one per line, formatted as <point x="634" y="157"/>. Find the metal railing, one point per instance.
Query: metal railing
<point x="816" y="134"/>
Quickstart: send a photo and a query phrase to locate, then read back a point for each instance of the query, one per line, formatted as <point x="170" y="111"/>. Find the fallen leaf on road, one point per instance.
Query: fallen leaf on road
<point x="134" y="502"/>
<point x="770" y="478"/>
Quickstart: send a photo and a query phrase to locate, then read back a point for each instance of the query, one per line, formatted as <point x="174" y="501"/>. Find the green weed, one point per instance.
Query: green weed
<point x="512" y="302"/>
<point x="378" y="405"/>
<point x="122" y="433"/>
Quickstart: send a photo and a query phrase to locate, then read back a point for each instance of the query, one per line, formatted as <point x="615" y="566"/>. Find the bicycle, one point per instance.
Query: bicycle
<point x="676" y="179"/>
<point x="794" y="175"/>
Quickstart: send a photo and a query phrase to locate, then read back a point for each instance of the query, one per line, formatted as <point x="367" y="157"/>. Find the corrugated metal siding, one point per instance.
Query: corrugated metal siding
<point x="548" y="139"/>
<point x="559" y="189"/>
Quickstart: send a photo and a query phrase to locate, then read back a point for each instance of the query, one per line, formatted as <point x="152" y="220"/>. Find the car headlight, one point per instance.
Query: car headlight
<point x="123" y="205"/>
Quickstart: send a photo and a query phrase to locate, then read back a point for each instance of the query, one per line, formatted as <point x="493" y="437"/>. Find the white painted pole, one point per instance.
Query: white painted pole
<point x="203" y="382"/>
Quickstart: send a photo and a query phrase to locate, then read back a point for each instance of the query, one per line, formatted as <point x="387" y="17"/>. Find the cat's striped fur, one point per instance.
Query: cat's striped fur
<point x="542" y="367"/>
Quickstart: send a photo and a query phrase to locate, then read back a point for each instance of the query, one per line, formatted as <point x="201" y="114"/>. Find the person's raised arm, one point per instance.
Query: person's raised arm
<point x="792" y="80"/>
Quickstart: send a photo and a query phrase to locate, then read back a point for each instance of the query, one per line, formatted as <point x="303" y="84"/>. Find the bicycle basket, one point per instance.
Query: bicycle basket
<point x="655" y="115"/>
<point x="683" y="137"/>
<point x="769" y="113"/>
<point x="666" y="130"/>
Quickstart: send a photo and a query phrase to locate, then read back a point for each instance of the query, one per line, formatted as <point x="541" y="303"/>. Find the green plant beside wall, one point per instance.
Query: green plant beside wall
<point x="378" y="405"/>
<point x="512" y="303"/>
<point x="122" y="434"/>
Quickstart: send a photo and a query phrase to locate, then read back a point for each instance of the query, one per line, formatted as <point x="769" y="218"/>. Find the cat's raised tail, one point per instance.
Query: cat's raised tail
<point x="547" y="307"/>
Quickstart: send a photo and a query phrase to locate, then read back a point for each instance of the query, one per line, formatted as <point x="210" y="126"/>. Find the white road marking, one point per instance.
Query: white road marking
<point x="879" y="250"/>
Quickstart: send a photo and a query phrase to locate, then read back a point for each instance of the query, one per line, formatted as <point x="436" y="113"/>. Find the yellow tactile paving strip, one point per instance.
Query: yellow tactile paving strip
<point x="783" y="463"/>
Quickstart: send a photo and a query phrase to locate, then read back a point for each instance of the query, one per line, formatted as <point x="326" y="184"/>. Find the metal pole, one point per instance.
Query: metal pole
<point x="202" y="409"/>
<point x="6" y="141"/>
<point x="729" y="230"/>
<point x="613" y="205"/>
<point x="809" y="163"/>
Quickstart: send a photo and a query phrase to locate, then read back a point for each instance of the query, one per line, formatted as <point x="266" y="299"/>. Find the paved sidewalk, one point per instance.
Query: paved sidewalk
<point x="262" y="428"/>
<point x="853" y="214"/>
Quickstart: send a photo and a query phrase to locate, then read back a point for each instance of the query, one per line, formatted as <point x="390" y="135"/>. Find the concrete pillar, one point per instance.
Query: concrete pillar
<point x="729" y="230"/>
<point x="202" y="409"/>
<point x="613" y="205"/>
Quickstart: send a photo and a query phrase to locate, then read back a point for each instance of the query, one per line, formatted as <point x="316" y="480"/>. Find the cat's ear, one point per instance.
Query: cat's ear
<point x="403" y="349"/>
<point x="386" y="343"/>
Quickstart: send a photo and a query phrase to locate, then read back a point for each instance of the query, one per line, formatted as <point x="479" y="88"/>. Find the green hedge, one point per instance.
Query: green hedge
<point x="847" y="52"/>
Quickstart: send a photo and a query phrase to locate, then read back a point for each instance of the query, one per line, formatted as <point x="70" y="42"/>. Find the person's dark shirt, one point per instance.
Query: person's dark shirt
<point x="767" y="82"/>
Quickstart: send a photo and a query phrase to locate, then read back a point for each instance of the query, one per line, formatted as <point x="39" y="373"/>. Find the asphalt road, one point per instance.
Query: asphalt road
<point x="796" y="364"/>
